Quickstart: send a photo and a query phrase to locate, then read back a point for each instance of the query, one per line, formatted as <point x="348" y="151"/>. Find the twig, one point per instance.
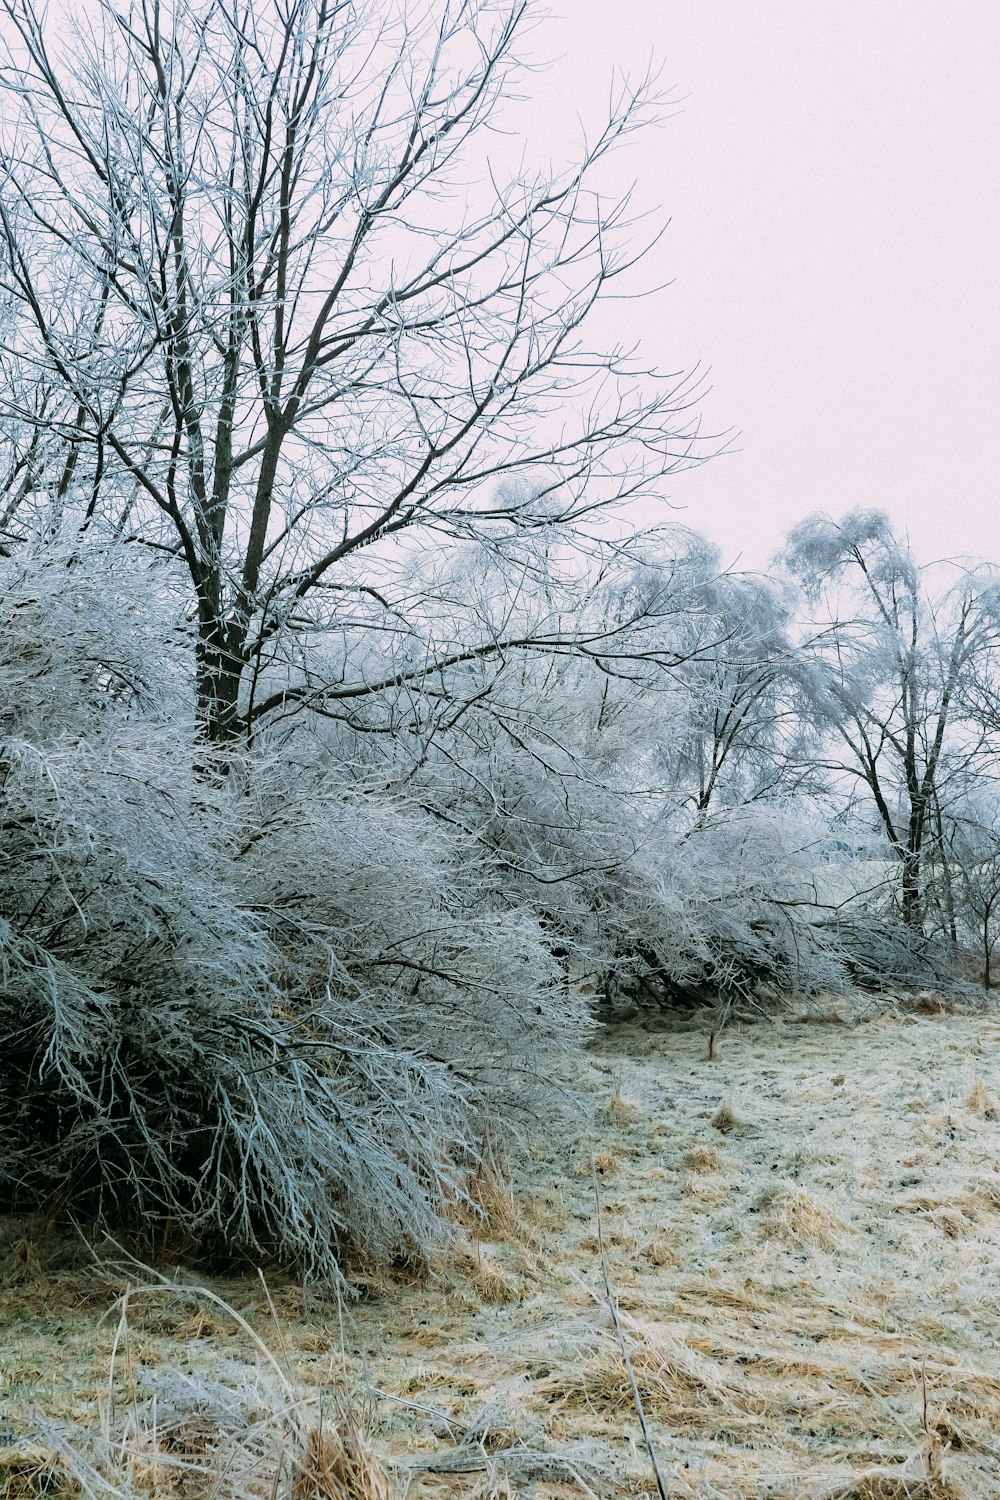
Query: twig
<point x="277" y="1324"/>
<point x="622" y="1345"/>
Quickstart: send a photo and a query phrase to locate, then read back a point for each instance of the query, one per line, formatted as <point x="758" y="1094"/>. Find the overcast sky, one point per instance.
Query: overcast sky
<point x="832" y="180"/>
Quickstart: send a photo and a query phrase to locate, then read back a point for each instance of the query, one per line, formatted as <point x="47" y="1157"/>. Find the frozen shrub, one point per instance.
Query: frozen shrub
<point x="256" y="1005"/>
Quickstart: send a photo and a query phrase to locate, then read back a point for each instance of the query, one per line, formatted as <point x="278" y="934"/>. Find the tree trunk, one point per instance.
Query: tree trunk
<point x="219" y="670"/>
<point x="913" y="914"/>
<point x="987" y="956"/>
<point x="947" y="889"/>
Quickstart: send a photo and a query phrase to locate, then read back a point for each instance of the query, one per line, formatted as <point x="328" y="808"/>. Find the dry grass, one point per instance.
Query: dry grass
<point x="31" y="1473"/>
<point x="810" y="1306"/>
<point x="677" y="1383"/>
<point x="622" y="1111"/>
<point x="161" y="1434"/>
<point x="703" y="1159"/>
<point x="922" y="1476"/>
<point x="725" y="1118"/>
<point x="799" y="1217"/>
<point x="979" y="1101"/>
<point x="494" y="1487"/>
<point x="494" y="1285"/>
<point x="337" y="1463"/>
<point x="660" y="1252"/>
<point x="496" y="1209"/>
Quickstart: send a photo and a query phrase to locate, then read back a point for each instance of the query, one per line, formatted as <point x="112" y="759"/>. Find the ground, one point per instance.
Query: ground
<point x="802" y="1236"/>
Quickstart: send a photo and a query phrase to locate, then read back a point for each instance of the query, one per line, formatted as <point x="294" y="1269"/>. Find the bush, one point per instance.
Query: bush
<point x="254" y="1004"/>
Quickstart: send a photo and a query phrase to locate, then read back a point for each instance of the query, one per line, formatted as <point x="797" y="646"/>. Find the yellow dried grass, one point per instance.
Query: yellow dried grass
<point x="979" y="1101"/>
<point x="493" y="1284"/>
<point x="336" y="1463"/>
<point x="30" y="1473"/>
<point x="709" y="1188"/>
<point x="660" y="1252"/>
<point x="725" y="1118"/>
<point x="738" y="1297"/>
<point x="622" y="1111"/>
<point x="702" y="1159"/>
<point x="678" y="1385"/>
<point x="493" y="1197"/>
<point x="760" y="1360"/>
<point x="797" y="1216"/>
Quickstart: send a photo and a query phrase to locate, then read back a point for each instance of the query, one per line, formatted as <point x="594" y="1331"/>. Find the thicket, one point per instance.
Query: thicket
<point x="279" y="1000"/>
<point x="355" y="747"/>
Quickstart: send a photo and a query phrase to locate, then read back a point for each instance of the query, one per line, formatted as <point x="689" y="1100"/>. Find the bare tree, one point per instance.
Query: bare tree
<point x="568" y="768"/>
<point x="742" y="736"/>
<point x="972" y="848"/>
<point x="885" y="671"/>
<point x="274" y="311"/>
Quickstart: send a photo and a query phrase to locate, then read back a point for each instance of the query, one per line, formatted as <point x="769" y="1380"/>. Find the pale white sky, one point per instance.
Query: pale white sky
<point x="833" y="180"/>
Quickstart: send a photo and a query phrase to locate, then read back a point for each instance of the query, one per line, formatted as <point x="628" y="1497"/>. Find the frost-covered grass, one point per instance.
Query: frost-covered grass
<point x="809" y="1298"/>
